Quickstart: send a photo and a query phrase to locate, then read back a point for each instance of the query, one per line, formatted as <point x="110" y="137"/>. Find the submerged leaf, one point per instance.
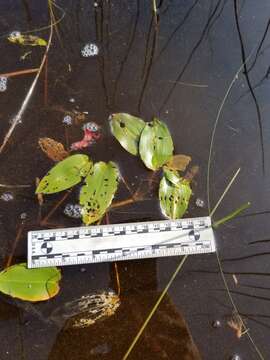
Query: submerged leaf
<point x="30" y="284"/>
<point x="174" y="199"/>
<point x="88" y="309"/>
<point x="53" y="149"/>
<point x="65" y="174"/>
<point x="96" y="196"/>
<point x="127" y="129"/>
<point x="31" y="40"/>
<point x="178" y="162"/>
<point x="156" y="145"/>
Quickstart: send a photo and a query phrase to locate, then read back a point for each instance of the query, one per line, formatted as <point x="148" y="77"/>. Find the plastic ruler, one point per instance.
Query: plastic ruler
<point x="104" y="243"/>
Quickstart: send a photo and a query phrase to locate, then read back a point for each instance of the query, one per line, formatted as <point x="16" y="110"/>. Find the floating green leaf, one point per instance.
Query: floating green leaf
<point x="65" y="174"/>
<point x="30" y="284"/>
<point x="96" y="196"/>
<point x="174" y="199"/>
<point x="156" y="145"/>
<point x="127" y="129"/>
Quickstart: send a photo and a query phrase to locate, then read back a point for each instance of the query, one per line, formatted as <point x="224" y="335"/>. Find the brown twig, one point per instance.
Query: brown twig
<point x="122" y="203"/>
<point x="46" y="82"/>
<point x="20" y="72"/>
<point x="117" y="279"/>
<point x="18" y="236"/>
<point x="44" y="220"/>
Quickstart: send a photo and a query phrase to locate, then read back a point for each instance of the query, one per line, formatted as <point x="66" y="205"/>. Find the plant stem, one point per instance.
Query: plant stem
<point x="224" y="193"/>
<point x="231" y="216"/>
<point x="19" y="72"/>
<point x="14" y="186"/>
<point x="18" y="236"/>
<point x="122" y="203"/>
<point x="44" y="221"/>
<point x="155" y="307"/>
<point x="155" y="11"/>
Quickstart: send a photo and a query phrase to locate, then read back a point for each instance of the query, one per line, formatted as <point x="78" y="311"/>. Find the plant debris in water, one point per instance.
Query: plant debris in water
<point x="26" y="40"/>
<point x="86" y="310"/>
<point x="53" y="149"/>
<point x="30" y="284"/>
<point x="178" y="162"/>
<point x="91" y="134"/>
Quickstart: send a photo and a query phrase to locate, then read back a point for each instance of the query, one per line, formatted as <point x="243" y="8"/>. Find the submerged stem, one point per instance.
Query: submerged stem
<point x="224" y="193"/>
<point x="149" y="317"/>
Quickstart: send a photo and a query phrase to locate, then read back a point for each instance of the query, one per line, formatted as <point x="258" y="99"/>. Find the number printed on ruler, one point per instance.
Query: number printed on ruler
<point x="117" y="242"/>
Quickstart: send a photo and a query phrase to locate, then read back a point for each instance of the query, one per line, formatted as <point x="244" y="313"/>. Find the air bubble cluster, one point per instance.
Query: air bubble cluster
<point x="67" y="120"/>
<point x="200" y="203"/>
<point x="7" y="196"/>
<point x="73" y="210"/>
<point x="3" y="83"/>
<point x="91" y="126"/>
<point x="15" y="35"/>
<point x="89" y="50"/>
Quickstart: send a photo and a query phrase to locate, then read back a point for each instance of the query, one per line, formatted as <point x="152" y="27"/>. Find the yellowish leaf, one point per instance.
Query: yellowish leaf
<point x="178" y="162"/>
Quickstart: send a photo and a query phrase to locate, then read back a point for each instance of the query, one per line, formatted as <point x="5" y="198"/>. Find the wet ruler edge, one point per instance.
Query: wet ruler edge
<point x="116" y="242"/>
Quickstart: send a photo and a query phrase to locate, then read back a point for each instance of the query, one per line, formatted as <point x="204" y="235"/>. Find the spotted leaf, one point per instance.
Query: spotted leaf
<point x="174" y="199"/>
<point x="127" y="130"/>
<point x="96" y="196"/>
<point x="65" y="174"/>
<point x="156" y="145"/>
<point x="30" y="284"/>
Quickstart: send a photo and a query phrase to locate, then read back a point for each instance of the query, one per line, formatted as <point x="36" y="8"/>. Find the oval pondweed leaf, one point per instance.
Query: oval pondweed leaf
<point x="65" y="174"/>
<point x="174" y="199"/>
<point x="30" y="284"/>
<point x="156" y="145"/>
<point x="127" y="130"/>
<point x="96" y="196"/>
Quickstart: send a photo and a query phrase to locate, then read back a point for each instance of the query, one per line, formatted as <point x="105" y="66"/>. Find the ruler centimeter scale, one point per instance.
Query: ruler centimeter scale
<point x="105" y="243"/>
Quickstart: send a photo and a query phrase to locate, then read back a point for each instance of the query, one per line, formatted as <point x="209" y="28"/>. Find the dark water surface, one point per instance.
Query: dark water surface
<point x="179" y="71"/>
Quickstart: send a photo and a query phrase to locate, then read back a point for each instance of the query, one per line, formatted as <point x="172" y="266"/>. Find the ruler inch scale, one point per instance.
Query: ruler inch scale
<point x="116" y="242"/>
